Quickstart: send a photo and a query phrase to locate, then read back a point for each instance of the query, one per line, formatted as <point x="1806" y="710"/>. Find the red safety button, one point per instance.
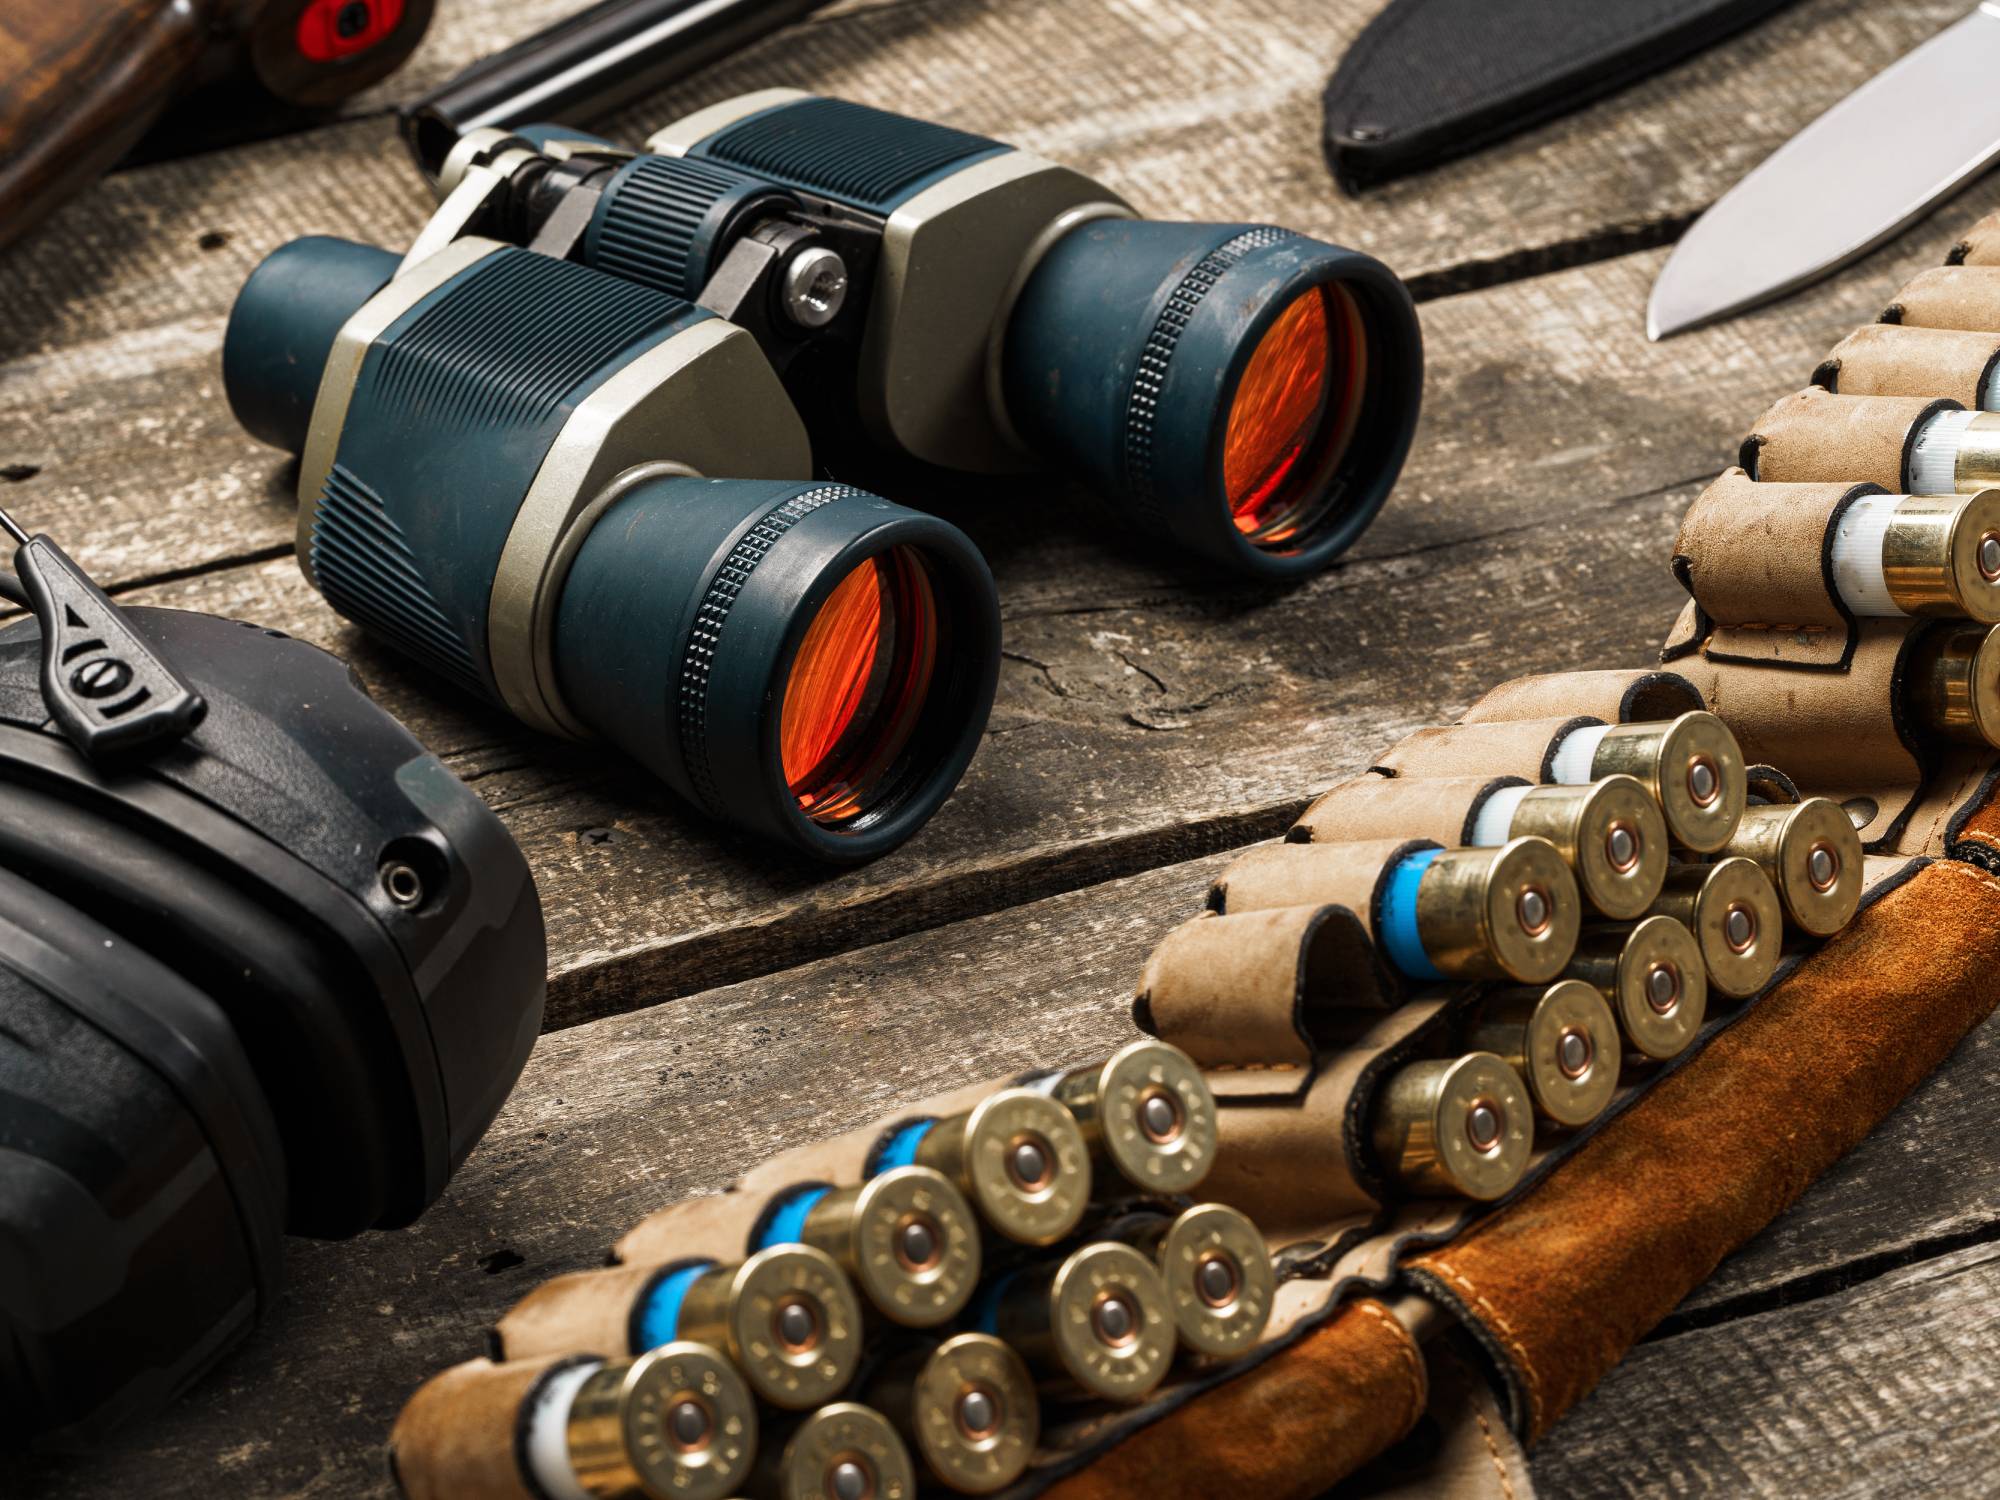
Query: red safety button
<point x="332" y="29"/>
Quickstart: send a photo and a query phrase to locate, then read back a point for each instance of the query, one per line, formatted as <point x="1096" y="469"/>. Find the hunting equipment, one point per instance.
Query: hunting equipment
<point x="82" y="80"/>
<point x="590" y="502"/>
<point x="1242" y="391"/>
<point x="267" y="968"/>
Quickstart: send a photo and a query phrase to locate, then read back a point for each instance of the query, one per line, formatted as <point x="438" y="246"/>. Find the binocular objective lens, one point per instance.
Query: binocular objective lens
<point x="1292" y="416"/>
<point x="857" y="686"/>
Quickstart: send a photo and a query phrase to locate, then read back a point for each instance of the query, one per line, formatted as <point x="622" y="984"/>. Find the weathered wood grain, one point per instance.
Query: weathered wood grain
<point x="1891" y="1388"/>
<point x="1130" y="731"/>
<point x="1143" y="716"/>
<point x="1538" y="393"/>
<point x="1195" y="108"/>
<point x="1232" y="90"/>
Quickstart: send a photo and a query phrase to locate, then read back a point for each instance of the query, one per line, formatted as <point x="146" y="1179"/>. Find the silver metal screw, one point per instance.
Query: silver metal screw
<point x="815" y="287"/>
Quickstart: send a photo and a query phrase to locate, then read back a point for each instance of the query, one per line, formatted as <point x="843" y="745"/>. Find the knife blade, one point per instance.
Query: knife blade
<point x="1878" y="160"/>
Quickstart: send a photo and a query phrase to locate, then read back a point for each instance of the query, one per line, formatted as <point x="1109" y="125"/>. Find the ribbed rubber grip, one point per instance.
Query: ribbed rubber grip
<point x="865" y="157"/>
<point x="367" y="572"/>
<point x="661" y="217"/>
<point x="454" y="412"/>
<point x="508" y="344"/>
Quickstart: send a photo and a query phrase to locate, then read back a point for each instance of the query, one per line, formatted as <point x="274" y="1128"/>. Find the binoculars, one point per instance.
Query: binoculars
<point x="1244" y="392"/>
<point x="562" y="452"/>
<point x="590" y="502"/>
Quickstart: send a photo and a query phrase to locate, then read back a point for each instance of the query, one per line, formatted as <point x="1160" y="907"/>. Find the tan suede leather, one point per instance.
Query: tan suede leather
<point x="1566" y="1278"/>
<point x="1614" y="695"/>
<point x="1514" y="747"/>
<point x="1833" y="733"/>
<point x="1965" y="297"/>
<point x="1753" y="557"/>
<point x="1374" y="806"/>
<point x="454" y="1440"/>
<point x="716" y="1227"/>
<point x="583" y="1312"/>
<point x="1886" y="359"/>
<point x="1346" y="874"/>
<point x="1980" y="246"/>
<point x="1237" y="993"/>
<point x="1291" y="1427"/>
<point x="1815" y="437"/>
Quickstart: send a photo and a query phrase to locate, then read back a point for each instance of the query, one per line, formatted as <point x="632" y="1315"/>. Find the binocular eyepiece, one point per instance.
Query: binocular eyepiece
<point x="1244" y="391"/>
<point x="509" y="471"/>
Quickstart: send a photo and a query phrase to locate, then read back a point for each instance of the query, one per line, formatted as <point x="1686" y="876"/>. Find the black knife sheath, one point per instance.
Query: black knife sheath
<point x="1429" y="80"/>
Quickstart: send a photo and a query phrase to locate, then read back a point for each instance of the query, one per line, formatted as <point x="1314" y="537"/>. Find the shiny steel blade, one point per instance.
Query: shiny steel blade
<point x="1911" y="135"/>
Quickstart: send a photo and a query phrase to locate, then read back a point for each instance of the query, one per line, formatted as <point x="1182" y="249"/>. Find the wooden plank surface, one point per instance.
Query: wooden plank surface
<point x="1892" y="1388"/>
<point x="1145" y="717"/>
<point x="1140" y="709"/>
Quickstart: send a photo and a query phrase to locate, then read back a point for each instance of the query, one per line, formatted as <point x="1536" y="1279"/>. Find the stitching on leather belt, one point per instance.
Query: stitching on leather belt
<point x="1504" y="1330"/>
<point x="1412" y="1365"/>
<point x="1499" y="1464"/>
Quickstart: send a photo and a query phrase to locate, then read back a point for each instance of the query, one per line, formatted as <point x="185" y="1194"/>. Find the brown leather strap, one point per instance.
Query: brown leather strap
<point x="1835" y="734"/>
<point x="1375" y="806"/>
<point x="1519" y="747"/>
<point x="584" y="1312"/>
<point x="1274" y="875"/>
<point x="1756" y="557"/>
<point x="1245" y="995"/>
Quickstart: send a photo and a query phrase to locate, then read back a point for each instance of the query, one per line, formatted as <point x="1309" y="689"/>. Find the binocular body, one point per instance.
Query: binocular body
<point x="1244" y="391"/>
<point x="502" y="473"/>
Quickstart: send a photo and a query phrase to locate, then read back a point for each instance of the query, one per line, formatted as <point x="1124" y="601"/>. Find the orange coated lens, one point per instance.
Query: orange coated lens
<point x="857" y="686"/>
<point x="1292" y="414"/>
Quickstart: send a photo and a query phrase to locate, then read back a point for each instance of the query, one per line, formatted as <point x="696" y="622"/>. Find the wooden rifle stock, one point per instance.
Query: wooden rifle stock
<point x="82" y="80"/>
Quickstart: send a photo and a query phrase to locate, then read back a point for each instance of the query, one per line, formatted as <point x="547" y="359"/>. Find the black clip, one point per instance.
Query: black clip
<point x="105" y="688"/>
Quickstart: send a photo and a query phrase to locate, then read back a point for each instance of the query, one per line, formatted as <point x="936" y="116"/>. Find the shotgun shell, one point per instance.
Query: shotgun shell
<point x="1610" y="833"/>
<point x="675" y="1422"/>
<point x="786" y="1316"/>
<point x="1692" y="766"/>
<point x="1955" y="452"/>
<point x="1098" y="1321"/>
<point x="1561" y="1039"/>
<point x="1019" y="1158"/>
<point x="1654" y="979"/>
<point x="1812" y="854"/>
<point x="845" y="1451"/>
<point x="1505" y="913"/>
<point x="968" y="1408"/>
<point x="1733" y="911"/>
<point x="1454" y="1127"/>
<point x="1920" y="555"/>
<point x="1218" y="1275"/>
<point x="1952" y="683"/>
<point x="906" y="1237"/>
<point x="1146" y="1112"/>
